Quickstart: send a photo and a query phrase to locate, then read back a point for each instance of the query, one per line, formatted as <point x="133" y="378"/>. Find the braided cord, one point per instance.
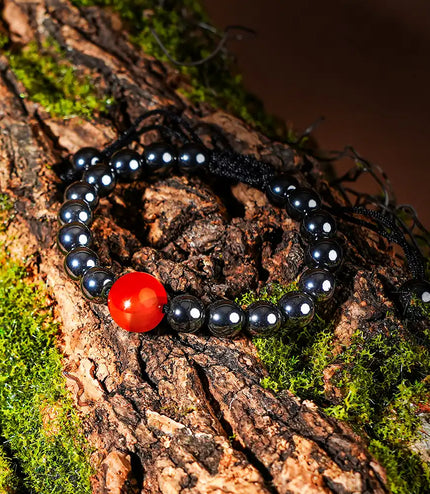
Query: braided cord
<point x="247" y="169"/>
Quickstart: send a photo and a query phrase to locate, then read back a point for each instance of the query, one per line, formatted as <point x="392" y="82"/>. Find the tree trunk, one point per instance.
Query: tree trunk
<point x="174" y="413"/>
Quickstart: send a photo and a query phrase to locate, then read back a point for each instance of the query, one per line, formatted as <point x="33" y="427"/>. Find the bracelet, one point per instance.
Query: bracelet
<point x="138" y="301"/>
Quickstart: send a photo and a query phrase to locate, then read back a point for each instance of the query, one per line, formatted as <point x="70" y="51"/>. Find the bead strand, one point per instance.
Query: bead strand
<point x="138" y="301"/>
<point x="325" y="255"/>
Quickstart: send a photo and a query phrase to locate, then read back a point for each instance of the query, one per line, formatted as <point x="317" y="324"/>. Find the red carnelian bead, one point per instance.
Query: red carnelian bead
<point x="136" y="302"/>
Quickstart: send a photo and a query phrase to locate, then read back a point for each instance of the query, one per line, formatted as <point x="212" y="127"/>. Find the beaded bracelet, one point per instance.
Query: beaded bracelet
<point x="138" y="302"/>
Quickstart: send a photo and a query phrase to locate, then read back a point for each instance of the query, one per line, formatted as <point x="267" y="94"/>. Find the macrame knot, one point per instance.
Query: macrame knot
<point x="241" y="168"/>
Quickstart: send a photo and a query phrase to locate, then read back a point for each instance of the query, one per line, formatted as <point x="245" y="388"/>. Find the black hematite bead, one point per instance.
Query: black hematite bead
<point x="79" y="261"/>
<point x="159" y="157"/>
<point x="301" y="202"/>
<point x="84" y="192"/>
<point x="416" y="288"/>
<point x="326" y="254"/>
<point x="73" y="235"/>
<point x="127" y="165"/>
<point x="279" y="189"/>
<point x="318" y="225"/>
<point x="96" y="283"/>
<point x="192" y="156"/>
<point x="318" y="283"/>
<point x="75" y="211"/>
<point x="84" y="158"/>
<point x="298" y="308"/>
<point x="226" y="318"/>
<point x="102" y="177"/>
<point x="264" y="318"/>
<point x="186" y="314"/>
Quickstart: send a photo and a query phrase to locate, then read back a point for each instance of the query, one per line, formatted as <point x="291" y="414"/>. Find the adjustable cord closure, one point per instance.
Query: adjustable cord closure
<point x="138" y="302"/>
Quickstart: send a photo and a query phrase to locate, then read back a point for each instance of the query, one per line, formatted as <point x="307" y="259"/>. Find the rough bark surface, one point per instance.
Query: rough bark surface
<point x="175" y="413"/>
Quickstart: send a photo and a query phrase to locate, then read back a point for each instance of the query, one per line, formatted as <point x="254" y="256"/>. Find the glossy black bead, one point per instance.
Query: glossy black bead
<point x="419" y="289"/>
<point x="192" y="156"/>
<point x="159" y="157"/>
<point x="82" y="191"/>
<point x="279" y="189"/>
<point x="226" y="318"/>
<point x="85" y="158"/>
<point x="318" y="283"/>
<point x="79" y="261"/>
<point x="127" y="165"/>
<point x="298" y="308"/>
<point x="75" y="210"/>
<point x="327" y="254"/>
<point x="73" y="235"/>
<point x="102" y="177"/>
<point x="301" y="202"/>
<point x="318" y="225"/>
<point x="264" y="318"/>
<point x="186" y="314"/>
<point x="96" y="283"/>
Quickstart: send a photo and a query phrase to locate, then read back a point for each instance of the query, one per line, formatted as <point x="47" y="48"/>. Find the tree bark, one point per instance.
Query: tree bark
<point x="175" y="413"/>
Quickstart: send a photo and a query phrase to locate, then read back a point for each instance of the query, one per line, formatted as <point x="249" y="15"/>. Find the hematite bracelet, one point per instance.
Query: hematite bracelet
<point x="138" y="302"/>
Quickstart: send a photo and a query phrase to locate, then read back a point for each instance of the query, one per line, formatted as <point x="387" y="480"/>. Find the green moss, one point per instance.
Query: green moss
<point x="4" y="40"/>
<point x="378" y="384"/>
<point x="36" y="413"/>
<point x="177" y="25"/>
<point x="286" y="355"/>
<point x="6" y="214"/>
<point x="406" y="471"/>
<point x="8" y="481"/>
<point x="50" y="80"/>
<point x="382" y="383"/>
<point x="5" y="204"/>
<point x="423" y="308"/>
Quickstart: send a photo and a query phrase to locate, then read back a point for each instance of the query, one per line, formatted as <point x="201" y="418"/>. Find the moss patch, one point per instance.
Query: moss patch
<point x="9" y="483"/>
<point x="284" y="354"/>
<point x="5" y="204"/>
<point x="6" y="214"/>
<point x="36" y="413"/>
<point x="379" y="385"/>
<point x="421" y="309"/>
<point x="4" y="40"/>
<point x="50" y="80"/>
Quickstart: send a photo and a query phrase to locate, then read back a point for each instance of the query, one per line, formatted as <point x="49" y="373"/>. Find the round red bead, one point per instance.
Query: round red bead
<point x="136" y="302"/>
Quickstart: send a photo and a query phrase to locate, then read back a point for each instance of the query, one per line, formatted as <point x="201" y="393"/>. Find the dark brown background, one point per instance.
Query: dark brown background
<point x="364" y="65"/>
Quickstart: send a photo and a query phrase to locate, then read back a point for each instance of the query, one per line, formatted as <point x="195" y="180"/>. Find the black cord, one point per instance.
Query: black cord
<point x="241" y="168"/>
<point x="223" y="164"/>
<point x="387" y="226"/>
<point x="237" y="167"/>
<point x="170" y="127"/>
<point x="224" y="38"/>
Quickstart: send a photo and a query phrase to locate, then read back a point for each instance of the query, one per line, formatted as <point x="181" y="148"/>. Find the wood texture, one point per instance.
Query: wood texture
<point x="175" y="413"/>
